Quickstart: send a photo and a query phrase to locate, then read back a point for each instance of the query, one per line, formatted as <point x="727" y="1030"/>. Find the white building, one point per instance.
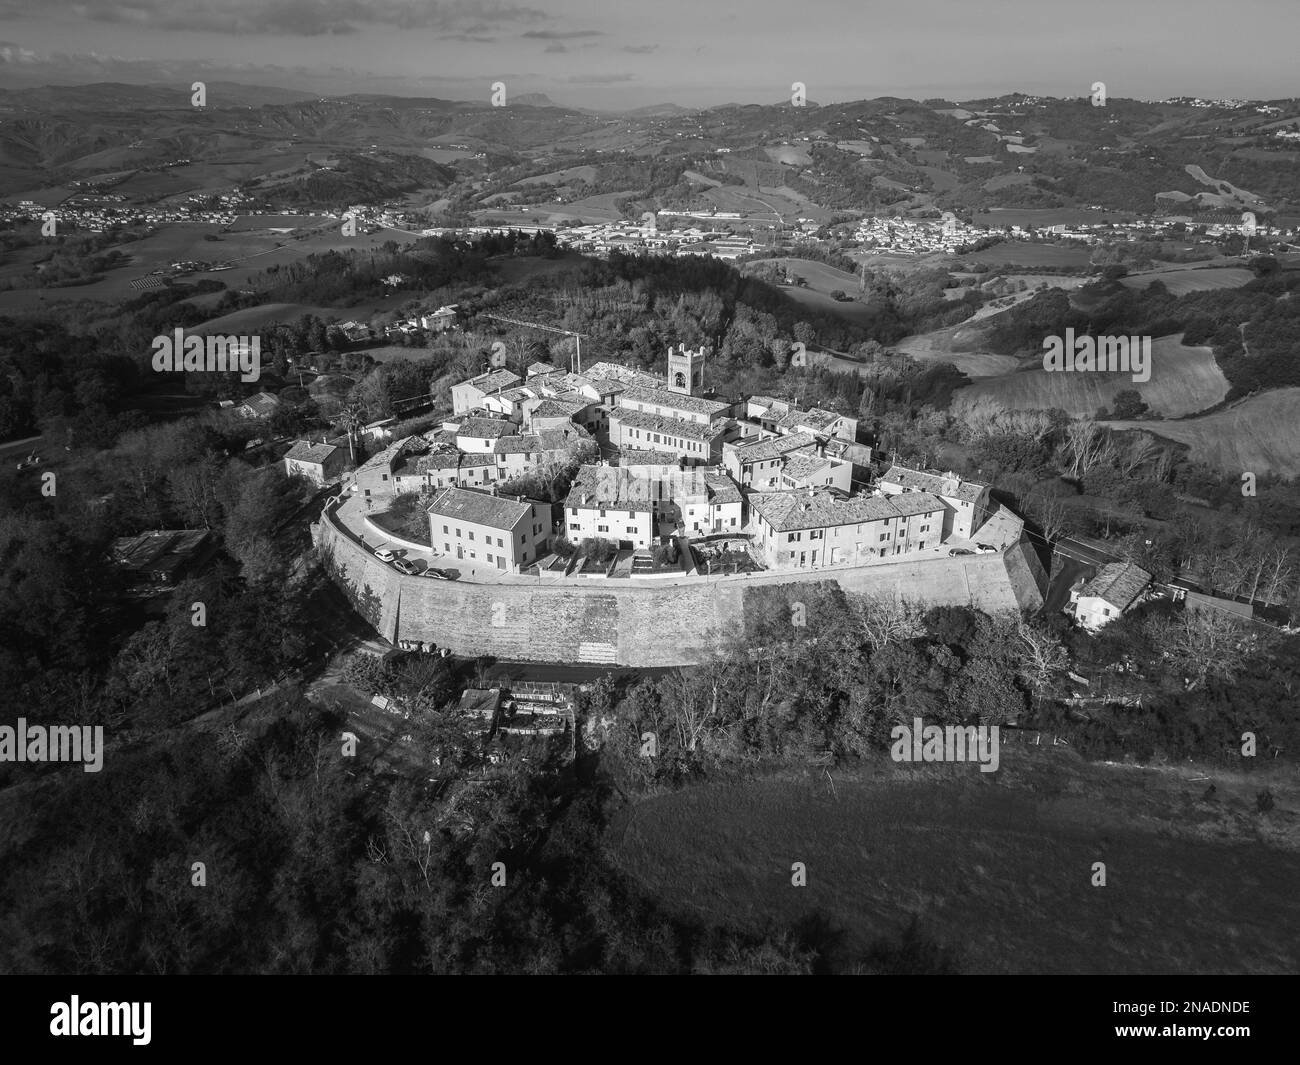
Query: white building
<point x="498" y="532"/>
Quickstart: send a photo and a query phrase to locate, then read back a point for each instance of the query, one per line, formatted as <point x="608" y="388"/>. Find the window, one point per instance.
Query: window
<point x="446" y="548"/>
<point x="471" y="534"/>
<point x="602" y="528"/>
<point x="602" y="513"/>
<point x="499" y="543"/>
<point x="1106" y="610"/>
<point x="458" y="531"/>
<point x="631" y="528"/>
<point x="884" y="536"/>
<point x="444" y="530"/>
<point x="489" y="558"/>
<point x="575" y="527"/>
<point x="573" y="511"/>
<point x="925" y="528"/>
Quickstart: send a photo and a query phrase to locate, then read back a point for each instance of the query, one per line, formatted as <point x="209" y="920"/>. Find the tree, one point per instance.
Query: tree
<point x="1128" y="405"/>
<point x="1041" y="657"/>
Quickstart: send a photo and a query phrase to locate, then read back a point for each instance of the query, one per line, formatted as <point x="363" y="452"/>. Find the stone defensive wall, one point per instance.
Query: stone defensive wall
<point x="638" y="623"/>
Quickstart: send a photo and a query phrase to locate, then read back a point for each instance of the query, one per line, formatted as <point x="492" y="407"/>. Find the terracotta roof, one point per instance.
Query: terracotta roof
<point x="496" y="512"/>
<point x="1118" y="583"/>
<point x="805" y="509"/>
<point x="306" y="451"/>
<point x="672" y="426"/>
<point x="772" y="448"/>
<point x="517" y="445"/>
<point x="950" y="486"/>
<point x="486" y="428"/>
<point x="661" y="397"/>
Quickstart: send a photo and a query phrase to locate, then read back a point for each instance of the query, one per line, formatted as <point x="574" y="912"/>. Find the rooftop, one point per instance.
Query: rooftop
<point x="672" y="426"/>
<point x="486" y="428"/>
<point x="494" y="380"/>
<point x="940" y="484"/>
<point x="517" y="445"/>
<point x="674" y="401"/>
<point x="306" y="451"/>
<point x="636" y="487"/>
<point x="479" y="508"/>
<point x="1118" y="583"/>
<point x="772" y="448"/>
<point x="814" y="509"/>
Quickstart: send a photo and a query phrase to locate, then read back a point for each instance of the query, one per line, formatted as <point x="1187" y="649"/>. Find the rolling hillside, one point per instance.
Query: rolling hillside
<point x="1256" y="435"/>
<point x="1183" y="380"/>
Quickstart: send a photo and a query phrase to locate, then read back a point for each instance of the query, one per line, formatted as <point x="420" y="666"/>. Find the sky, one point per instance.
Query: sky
<point x="612" y="54"/>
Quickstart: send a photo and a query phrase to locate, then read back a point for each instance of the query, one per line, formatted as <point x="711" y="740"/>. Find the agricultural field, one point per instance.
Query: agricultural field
<point x="251" y="251"/>
<point x="1022" y="253"/>
<point x="1046" y="216"/>
<point x="941" y="345"/>
<point x="1180" y="282"/>
<point x="252" y="319"/>
<point x="585" y="173"/>
<point x="995" y="866"/>
<point x="1257" y="434"/>
<point x="1183" y="380"/>
<point x="820" y="277"/>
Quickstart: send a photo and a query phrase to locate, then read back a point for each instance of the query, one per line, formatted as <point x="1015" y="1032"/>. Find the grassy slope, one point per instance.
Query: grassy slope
<point x="997" y="865"/>
<point x="1257" y="435"/>
<point x="1183" y="381"/>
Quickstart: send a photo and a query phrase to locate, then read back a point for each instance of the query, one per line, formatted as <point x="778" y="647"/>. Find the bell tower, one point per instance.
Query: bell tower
<point x="685" y="370"/>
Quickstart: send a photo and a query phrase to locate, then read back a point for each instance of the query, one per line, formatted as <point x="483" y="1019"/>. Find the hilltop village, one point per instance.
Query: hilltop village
<point x="665" y="479"/>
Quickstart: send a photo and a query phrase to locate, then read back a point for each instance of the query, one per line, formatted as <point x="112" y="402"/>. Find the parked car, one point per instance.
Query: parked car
<point x="985" y="549"/>
<point x="959" y="551"/>
<point x="384" y="555"/>
<point x="437" y="574"/>
<point x="405" y="567"/>
<point x="30" y="460"/>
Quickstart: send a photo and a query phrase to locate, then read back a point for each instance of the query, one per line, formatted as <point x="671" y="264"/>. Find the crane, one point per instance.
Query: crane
<point x="537" y="325"/>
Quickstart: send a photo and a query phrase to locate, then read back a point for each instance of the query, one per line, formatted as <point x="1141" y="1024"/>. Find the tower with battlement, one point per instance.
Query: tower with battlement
<point x="685" y="370"/>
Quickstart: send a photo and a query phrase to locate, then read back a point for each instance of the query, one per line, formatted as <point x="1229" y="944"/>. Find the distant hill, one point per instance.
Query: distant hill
<point x="112" y="96"/>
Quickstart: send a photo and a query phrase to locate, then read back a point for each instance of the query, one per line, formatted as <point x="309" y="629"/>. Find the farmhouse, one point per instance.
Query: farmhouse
<point x="1114" y="590"/>
<point x="505" y="533"/>
<point x="818" y="527"/>
<point x="321" y="464"/>
<point x="258" y="405"/>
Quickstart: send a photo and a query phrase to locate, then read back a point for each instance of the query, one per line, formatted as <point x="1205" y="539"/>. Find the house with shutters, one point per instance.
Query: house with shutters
<point x="1116" y="588"/>
<point x="966" y="503"/>
<point x="320" y="463"/>
<point x="814" y="527"/>
<point x="506" y="533"/>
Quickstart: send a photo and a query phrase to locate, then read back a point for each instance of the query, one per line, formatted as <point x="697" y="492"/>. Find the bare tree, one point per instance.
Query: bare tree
<point x="1050" y="512"/>
<point x="1041" y="657"/>
<point x="886" y="619"/>
<point x="1205" y="643"/>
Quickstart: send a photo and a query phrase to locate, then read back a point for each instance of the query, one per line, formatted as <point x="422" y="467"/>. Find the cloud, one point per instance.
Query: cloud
<point x="296" y="18"/>
<point x="598" y="79"/>
<point x="562" y="35"/>
<point x="639" y="49"/>
<point x="555" y="46"/>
